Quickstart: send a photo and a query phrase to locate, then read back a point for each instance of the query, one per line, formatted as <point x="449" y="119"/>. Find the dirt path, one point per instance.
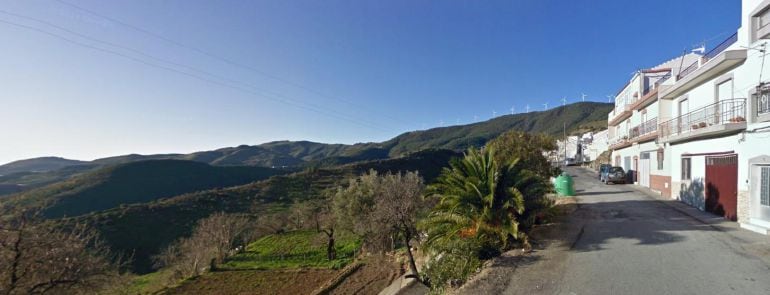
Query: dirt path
<point x="287" y="282"/>
<point x="376" y="274"/>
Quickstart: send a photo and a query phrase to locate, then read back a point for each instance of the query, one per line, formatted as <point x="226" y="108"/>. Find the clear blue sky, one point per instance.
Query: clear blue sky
<point x="328" y="71"/>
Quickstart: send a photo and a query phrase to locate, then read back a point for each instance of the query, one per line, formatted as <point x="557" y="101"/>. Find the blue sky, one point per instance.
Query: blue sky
<point x="182" y="76"/>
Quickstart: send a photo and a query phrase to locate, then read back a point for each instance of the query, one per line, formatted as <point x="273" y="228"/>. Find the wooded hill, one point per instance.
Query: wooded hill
<point x="26" y="174"/>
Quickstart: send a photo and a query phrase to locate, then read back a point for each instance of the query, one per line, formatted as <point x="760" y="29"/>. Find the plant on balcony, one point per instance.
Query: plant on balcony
<point x="695" y="126"/>
<point x="737" y="119"/>
<point x="702" y="124"/>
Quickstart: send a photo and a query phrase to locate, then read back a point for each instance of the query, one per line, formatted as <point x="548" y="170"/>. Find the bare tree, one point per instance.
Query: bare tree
<point x="321" y="214"/>
<point x="38" y="258"/>
<point x="212" y="241"/>
<point x="399" y="205"/>
<point x="378" y="207"/>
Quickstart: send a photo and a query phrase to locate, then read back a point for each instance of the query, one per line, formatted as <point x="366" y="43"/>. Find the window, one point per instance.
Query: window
<point x="660" y="159"/>
<point x="764" y="186"/>
<point x="763" y="100"/>
<point x="760" y="21"/>
<point x="763" y="19"/>
<point x="686" y="168"/>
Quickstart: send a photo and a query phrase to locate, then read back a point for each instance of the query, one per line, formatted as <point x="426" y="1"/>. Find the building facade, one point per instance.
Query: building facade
<point x="698" y="129"/>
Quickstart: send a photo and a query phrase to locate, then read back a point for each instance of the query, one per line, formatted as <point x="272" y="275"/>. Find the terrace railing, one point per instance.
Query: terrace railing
<point x="721" y="47"/>
<point x="689" y="69"/>
<point x="708" y="56"/>
<point x="723" y="112"/>
<point x="644" y="129"/>
<point x="657" y="83"/>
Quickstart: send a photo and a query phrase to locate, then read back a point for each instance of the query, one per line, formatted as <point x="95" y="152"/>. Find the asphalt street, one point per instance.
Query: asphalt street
<point x="621" y="241"/>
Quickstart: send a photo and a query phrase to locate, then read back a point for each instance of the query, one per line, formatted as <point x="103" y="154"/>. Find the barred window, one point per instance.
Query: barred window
<point x="763" y="101"/>
<point x="686" y="167"/>
<point x="764" y="186"/>
<point x="660" y="159"/>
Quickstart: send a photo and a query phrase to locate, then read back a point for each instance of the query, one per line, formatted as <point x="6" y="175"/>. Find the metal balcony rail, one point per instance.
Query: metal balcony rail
<point x="721" y="47"/>
<point x="657" y="83"/>
<point x="645" y="128"/>
<point x="618" y="139"/>
<point x="689" y="69"/>
<point x="723" y="112"/>
<point x="708" y="56"/>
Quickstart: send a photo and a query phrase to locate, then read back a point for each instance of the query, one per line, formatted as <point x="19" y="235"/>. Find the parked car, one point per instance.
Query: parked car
<point x="603" y="169"/>
<point x="614" y="175"/>
<point x="570" y="162"/>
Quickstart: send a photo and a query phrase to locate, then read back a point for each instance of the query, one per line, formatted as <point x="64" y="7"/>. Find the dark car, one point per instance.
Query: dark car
<point x="614" y="175"/>
<point x="604" y="168"/>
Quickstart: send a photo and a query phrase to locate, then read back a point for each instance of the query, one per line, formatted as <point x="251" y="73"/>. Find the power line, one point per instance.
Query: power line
<point x="226" y="60"/>
<point x="242" y="89"/>
<point x="175" y="63"/>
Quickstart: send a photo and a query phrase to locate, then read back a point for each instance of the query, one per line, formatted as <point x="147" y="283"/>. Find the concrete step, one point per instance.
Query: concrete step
<point x="757" y="226"/>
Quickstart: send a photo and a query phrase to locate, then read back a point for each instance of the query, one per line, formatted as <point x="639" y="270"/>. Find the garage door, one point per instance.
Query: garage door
<point x="644" y="170"/>
<point x="722" y="186"/>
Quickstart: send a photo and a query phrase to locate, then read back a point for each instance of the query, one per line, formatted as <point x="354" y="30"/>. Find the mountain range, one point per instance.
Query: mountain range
<point x="576" y="116"/>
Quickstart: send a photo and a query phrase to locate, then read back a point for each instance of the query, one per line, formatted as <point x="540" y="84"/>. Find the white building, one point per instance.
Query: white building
<point x="711" y="147"/>
<point x="633" y="125"/>
<point x="594" y="144"/>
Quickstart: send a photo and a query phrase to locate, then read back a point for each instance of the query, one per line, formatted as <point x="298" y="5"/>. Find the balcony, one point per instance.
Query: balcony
<point x="619" y="142"/>
<point x="619" y="114"/>
<point x="717" y="119"/>
<point x="644" y="132"/>
<point x="712" y="64"/>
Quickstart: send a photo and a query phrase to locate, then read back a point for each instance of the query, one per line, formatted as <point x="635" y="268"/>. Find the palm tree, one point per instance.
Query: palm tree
<point x="480" y="199"/>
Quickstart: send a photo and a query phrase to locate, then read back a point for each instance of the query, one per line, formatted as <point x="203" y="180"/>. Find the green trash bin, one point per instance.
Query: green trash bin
<point x="564" y="185"/>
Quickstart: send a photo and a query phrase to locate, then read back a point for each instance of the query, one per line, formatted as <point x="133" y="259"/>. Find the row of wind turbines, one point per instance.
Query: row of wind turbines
<point x="527" y="108"/>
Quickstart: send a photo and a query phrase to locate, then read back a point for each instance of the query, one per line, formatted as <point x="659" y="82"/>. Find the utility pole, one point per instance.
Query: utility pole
<point x="565" y="142"/>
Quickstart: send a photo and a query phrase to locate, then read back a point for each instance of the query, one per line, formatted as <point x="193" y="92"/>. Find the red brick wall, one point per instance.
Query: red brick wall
<point x="658" y="183"/>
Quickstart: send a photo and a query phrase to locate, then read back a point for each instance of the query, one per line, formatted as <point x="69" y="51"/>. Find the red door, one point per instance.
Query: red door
<point x="722" y="186"/>
<point x="636" y="169"/>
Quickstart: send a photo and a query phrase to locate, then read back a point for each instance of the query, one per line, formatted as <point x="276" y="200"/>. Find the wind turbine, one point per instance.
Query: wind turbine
<point x="494" y="113"/>
<point x="546" y="106"/>
<point x="610" y="98"/>
<point x="583" y="97"/>
<point x="563" y="101"/>
<point x="513" y="110"/>
<point x="527" y="108"/>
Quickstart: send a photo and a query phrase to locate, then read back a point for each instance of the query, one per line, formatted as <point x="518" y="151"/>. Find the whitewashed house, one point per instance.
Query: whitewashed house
<point x="711" y="147"/>
<point x="633" y="126"/>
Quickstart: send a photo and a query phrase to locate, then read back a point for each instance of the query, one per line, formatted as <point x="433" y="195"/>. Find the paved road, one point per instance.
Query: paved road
<point x="633" y="244"/>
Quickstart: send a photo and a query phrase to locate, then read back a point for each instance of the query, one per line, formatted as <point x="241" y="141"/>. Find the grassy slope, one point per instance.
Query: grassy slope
<point x="144" y="229"/>
<point x="136" y="182"/>
<point x="305" y="248"/>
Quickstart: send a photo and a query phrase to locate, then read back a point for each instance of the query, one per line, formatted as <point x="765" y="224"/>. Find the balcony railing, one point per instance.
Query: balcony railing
<point x="708" y="56"/>
<point x="657" y="83"/>
<point x="723" y="112"/>
<point x="618" y="141"/>
<point x="689" y="69"/>
<point x="643" y="129"/>
<point x="721" y="47"/>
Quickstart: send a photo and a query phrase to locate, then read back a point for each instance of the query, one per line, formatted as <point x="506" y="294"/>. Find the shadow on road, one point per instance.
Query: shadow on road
<point x="645" y="222"/>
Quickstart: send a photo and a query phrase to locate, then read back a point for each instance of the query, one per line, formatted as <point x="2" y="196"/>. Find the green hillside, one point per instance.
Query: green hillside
<point x="581" y="116"/>
<point x="136" y="182"/>
<point x="584" y="115"/>
<point x="142" y="230"/>
<point x="37" y="165"/>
